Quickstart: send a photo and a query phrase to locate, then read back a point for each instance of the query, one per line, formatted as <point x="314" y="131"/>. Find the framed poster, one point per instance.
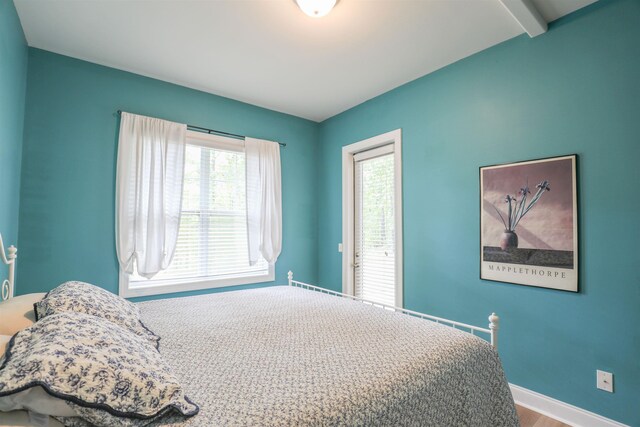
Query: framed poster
<point x="529" y="223"/>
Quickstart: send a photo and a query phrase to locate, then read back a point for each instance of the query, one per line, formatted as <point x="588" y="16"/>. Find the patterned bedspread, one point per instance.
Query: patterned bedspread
<point x="284" y="356"/>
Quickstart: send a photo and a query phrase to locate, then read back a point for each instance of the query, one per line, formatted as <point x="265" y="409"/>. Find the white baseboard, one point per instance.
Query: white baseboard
<point x="558" y="410"/>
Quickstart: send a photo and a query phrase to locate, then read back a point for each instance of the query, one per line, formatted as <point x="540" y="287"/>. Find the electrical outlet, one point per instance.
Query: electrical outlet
<point x="604" y="381"/>
<point x="339" y="247"/>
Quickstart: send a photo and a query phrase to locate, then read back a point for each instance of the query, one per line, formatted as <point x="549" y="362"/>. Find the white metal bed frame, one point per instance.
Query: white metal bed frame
<point x="492" y="330"/>
<point x="7" y="284"/>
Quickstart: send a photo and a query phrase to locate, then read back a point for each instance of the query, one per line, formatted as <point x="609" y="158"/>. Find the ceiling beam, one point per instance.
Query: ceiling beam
<point x="529" y="18"/>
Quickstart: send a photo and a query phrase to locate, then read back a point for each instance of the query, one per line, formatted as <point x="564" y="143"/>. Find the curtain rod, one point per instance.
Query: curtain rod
<point x="213" y="131"/>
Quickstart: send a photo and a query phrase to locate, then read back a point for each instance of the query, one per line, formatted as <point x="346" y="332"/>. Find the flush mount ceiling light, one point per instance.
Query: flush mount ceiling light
<point x="316" y="8"/>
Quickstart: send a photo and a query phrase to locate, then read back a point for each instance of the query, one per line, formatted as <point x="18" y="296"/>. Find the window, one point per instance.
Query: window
<point x="212" y="248"/>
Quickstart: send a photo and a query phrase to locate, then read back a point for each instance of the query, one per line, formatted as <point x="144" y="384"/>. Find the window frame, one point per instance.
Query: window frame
<point x="166" y="286"/>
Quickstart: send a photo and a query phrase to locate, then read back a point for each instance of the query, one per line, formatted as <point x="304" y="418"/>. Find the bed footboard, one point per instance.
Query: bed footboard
<point x="491" y="332"/>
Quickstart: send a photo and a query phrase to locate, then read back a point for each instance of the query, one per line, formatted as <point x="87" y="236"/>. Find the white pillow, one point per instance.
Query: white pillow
<point x="17" y="313"/>
<point x="21" y="419"/>
<point x="4" y="340"/>
<point x="37" y="400"/>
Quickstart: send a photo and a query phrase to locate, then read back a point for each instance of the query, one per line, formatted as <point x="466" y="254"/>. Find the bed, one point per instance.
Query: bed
<point x="299" y="355"/>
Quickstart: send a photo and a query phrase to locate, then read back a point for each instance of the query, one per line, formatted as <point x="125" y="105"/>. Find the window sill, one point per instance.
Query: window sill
<point x="181" y="285"/>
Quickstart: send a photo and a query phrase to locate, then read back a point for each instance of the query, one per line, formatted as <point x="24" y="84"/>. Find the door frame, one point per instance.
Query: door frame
<point x="348" y="208"/>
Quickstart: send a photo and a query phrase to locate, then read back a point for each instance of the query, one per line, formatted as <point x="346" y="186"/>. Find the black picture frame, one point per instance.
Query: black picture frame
<point x="546" y="252"/>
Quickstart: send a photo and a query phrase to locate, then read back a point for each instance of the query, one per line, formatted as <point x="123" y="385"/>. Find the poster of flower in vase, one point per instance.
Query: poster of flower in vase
<point x="529" y="223"/>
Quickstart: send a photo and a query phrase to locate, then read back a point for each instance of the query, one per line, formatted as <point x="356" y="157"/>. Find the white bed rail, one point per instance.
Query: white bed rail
<point x="492" y="330"/>
<point x="10" y="260"/>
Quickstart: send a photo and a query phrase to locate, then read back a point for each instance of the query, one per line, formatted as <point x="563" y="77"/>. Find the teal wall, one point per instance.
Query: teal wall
<point x="575" y="89"/>
<point x="13" y="83"/>
<point x="69" y="166"/>
<point x="572" y="90"/>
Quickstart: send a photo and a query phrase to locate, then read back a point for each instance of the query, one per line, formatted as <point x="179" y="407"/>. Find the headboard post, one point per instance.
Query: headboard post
<point x="290" y="277"/>
<point x="13" y="254"/>
<point x="7" y="284"/>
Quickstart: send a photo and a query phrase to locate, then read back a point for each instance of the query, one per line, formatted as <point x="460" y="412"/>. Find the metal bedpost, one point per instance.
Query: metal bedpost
<point x="7" y="285"/>
<point x="494" y="325"/>
<point x="290" y="277"/>
<point x="13" y="254"/>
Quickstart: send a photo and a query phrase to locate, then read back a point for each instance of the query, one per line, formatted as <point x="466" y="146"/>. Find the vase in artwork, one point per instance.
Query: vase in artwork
<point x="508" y="240"/>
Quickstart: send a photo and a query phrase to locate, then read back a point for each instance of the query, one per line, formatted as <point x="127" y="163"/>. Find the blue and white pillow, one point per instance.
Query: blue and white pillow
<point x="80" y="297"/>
<point x="107" y="375"/>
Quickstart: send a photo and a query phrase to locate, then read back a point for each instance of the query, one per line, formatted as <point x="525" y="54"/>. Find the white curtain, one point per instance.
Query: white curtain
<point x="150" y="171"/>
<point x="264" y="199"/>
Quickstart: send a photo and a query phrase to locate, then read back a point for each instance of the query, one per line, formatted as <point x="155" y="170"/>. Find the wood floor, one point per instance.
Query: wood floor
<point x="529" y="418"/>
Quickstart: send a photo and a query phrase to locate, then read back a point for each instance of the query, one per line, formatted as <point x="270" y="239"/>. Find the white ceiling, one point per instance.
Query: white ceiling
<point x="267" y="52"/>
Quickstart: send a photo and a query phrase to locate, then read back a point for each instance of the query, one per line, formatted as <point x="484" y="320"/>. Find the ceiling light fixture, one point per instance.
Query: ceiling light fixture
<point x="316" y="8"/>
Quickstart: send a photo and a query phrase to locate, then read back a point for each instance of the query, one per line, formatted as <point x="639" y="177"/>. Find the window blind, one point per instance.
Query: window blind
<point x="212" y="238"/>
<point x="375" y="226"/>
